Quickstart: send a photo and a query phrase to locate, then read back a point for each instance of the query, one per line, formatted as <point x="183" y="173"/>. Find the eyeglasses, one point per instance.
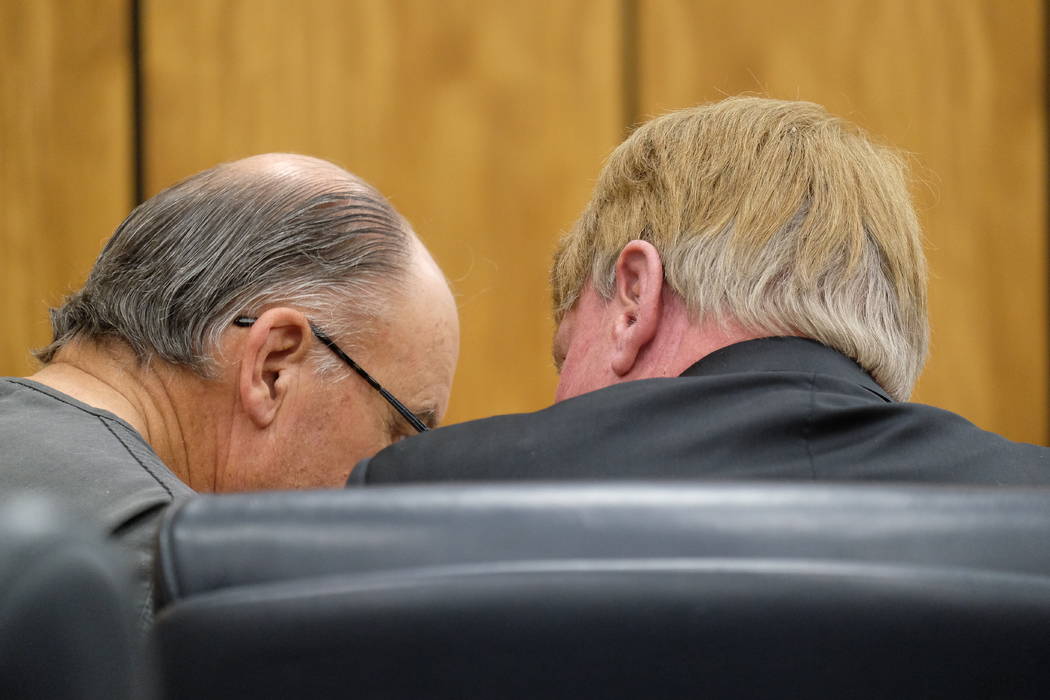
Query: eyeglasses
<point x="412" y="418"/>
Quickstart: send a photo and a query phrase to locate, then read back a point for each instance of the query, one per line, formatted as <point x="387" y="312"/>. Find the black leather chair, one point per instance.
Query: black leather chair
<point x="66" y="621"/>
<point x="616" y="590"/>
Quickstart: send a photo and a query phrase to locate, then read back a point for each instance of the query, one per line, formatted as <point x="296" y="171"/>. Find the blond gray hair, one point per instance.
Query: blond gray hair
<point x="772" y="214"/>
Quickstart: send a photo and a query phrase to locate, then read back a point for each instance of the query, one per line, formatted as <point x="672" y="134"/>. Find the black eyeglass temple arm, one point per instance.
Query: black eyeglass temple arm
<point x="412" y="419"/>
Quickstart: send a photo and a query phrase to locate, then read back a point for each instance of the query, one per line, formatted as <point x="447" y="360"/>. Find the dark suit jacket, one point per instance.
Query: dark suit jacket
<point x="775" y="408"/>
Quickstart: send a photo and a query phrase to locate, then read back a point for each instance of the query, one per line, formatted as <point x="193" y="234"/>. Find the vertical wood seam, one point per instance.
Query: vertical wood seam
<point x="629" y="68"/>
<point x="137" y="100"/>
<point x="1046" y="185"/>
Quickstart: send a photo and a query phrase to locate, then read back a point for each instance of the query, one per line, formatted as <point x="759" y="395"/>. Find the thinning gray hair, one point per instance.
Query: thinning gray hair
<point x="232" y="241"/>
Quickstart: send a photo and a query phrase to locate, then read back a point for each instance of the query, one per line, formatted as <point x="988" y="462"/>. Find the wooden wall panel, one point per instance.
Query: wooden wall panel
<point x="65" y="155"/>
<point x="960" y="85"/>
<point x="484" y="122"/>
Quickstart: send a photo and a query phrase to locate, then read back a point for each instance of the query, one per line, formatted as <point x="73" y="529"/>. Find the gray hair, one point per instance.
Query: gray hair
<point x="230" y="241"/>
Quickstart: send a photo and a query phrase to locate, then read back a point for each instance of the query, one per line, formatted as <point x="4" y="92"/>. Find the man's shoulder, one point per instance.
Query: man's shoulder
<point x="575" y="437"/>
<point x="747" y="425"/>
<point x="54" y="444"/>
<point x="930" y="443"/>
<point x="457" y="450"/>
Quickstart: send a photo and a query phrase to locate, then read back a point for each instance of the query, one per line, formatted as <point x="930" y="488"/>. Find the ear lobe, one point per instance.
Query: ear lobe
<point x="272" y="356"/>
<point x="637" y="299"/>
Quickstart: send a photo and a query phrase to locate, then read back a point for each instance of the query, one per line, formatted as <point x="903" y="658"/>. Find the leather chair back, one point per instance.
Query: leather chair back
<point x="612" y="590"/>
<point x="66" y="621"/>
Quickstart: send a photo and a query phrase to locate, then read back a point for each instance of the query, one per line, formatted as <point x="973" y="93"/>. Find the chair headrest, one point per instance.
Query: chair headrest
<point x="66" y="620"/>
<point x="214" y="542"/>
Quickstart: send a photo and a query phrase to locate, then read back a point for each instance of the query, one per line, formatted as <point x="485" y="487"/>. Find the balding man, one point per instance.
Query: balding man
<point x="210" y="349"/>
<point x="743" y="298"/>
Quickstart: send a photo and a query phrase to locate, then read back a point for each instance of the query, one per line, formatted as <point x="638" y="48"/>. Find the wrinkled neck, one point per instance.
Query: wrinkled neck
<point x="162" y="402"/>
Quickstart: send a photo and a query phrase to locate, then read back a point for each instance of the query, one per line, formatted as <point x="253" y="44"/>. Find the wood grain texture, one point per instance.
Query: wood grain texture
<point x="65" y="159"/>
<point x="484" y="122"/>
<point x="959" y="85"/>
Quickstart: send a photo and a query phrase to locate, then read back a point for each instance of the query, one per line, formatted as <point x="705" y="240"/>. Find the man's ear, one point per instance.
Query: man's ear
<point x="637" y="303"/>
<point x="272" y="357"/>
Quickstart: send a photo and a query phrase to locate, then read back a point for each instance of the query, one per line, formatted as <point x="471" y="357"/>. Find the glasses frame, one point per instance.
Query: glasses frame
<point x="412" y="418"/>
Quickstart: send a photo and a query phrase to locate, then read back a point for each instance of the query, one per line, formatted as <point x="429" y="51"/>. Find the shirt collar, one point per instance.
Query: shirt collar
<point x="784" y="354"/>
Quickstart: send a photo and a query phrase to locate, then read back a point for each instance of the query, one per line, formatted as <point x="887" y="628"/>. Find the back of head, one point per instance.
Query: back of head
<point x="230" y="241"/>
<point x="774" y="215"/>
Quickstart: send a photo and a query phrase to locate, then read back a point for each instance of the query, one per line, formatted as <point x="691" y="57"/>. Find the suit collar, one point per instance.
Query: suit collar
<point x="784" y="354"/>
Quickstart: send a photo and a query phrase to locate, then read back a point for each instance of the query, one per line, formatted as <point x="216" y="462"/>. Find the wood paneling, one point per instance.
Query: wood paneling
<point x="957" y="84"/>
<point x="65" y="155"/>
<point x="484" y="122"/>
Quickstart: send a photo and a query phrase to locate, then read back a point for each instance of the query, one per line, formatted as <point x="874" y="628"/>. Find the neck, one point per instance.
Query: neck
<point x="681" y="342"/>
<point x="152" y="399"/>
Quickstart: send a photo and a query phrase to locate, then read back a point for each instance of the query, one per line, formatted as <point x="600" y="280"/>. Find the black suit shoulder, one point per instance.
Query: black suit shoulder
<point x="769" y="409"/>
